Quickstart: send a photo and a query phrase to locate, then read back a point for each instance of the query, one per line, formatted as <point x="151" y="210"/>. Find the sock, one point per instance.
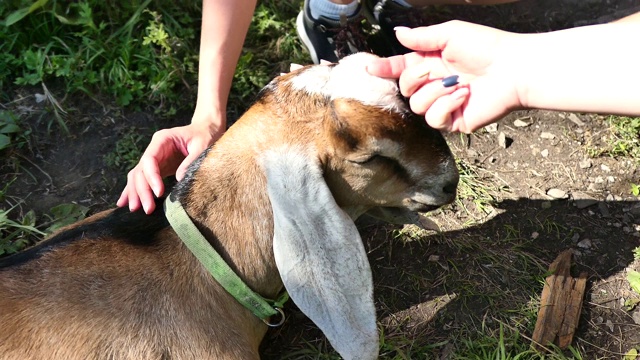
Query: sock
<point x="330" y="10"/>
<point x="402" y="3"/>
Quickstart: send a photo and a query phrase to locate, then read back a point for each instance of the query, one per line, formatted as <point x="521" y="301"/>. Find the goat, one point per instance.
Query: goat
<point x="276" y="196"/>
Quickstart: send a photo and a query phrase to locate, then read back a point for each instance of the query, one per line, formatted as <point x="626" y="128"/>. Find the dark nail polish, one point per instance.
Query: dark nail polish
<point x="450" y="81"/>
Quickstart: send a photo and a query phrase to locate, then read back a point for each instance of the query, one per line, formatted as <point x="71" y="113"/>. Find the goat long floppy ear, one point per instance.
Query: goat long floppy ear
<point x="320" y="256"/>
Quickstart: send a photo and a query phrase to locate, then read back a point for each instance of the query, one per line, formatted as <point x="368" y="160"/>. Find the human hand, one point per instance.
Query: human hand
<point x="480" y="55"/>
<point x="169" y="152"/>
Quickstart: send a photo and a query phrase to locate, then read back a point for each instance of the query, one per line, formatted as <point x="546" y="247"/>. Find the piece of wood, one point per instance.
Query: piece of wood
<point x="560" y="305"/>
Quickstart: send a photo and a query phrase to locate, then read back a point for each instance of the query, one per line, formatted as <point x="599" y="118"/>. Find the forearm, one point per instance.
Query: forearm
<point x="224" y="28"/>
<point x="588" y="69"/>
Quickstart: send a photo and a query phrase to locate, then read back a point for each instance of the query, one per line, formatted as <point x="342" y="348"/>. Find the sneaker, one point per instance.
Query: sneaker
<point x="331" y="40"/>
<point x="387" y="14"/>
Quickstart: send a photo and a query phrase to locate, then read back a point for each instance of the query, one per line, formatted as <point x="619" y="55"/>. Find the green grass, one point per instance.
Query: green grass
<point x="623" y="139"/>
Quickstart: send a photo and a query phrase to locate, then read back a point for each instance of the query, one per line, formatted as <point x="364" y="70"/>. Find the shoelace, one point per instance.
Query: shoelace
<point x="348" y="37"/>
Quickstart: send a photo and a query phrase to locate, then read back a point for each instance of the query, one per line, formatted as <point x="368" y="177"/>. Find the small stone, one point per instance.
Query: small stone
<point x="547" y="135"/>
<point x="583" y="200"/>
<point x="585" y="164"/>
<point x="434" y="258"/>
<point x="609" y="324"/>
<point x="520" y="123"/>
<point x="544" y="153"/>
<point x="534" y="235"/>
<point x="605" y="168"/>
<point x="599" y="180"/>
<point x="585" y="244"/>
<point x="636" y="316"/>
<point x="557" y="193"/>
<point x="546" y="204"/>
<point x="610" y="197"/>
<point x="503" y="140"/>
<point x="576" y="120"/>
<point x="604" y="210"/>
<point x="492" y="128"/>
<point x="611" y="179"/>
<point x="575" y="237"/>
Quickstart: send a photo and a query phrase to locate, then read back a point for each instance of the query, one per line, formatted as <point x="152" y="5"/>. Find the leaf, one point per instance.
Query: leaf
<point x="20" y="14"/>
<point x="631" y="354"/>
<point x="65" y="214"/>
<point x="634" y="280"/>
<point x="9" y="128"/>
<point x="5" y="141"/>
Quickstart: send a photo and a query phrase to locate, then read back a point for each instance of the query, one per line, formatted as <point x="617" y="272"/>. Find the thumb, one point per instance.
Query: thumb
<point x="426" y="38"/>
<point x="182" y="169"/>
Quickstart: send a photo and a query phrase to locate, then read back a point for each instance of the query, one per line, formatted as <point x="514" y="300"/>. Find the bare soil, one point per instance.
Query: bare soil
<point x="433" y="287"/>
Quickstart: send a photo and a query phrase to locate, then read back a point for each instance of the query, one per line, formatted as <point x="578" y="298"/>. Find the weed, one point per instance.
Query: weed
<point x="133" y="53"/>
<point x="16" y="234"/>
<point x="127" y="152"/>
<point x="624" y="138"/>
<point x="11" y="135"/>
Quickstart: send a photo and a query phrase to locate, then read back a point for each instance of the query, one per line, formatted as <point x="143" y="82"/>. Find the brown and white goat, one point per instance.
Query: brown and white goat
<point x="275" y="196"/>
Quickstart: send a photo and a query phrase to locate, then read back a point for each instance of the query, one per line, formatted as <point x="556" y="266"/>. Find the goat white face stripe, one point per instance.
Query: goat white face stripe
<point x="349" y="79"/>
<point x="319" y="253"/>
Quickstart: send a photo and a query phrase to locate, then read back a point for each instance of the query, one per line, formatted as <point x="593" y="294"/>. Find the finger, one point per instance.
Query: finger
<point x="424" y="97"/>
<point x="123" y="199"/>
<point x="132" y="197"/>
<point x="182" y="169"/>
<point x="143" y="192"/>
<point x="151" y="172"/>
<point x="426" y="38"/>
<point x="447" y="111"/>
<point x="392" y="67"/>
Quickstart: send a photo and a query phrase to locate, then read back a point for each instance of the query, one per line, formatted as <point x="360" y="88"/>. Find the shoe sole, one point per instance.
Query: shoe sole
<point x="302" y="34"/>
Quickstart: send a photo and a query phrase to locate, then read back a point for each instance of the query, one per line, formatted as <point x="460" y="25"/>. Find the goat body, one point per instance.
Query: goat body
<point x="122" y="285"/>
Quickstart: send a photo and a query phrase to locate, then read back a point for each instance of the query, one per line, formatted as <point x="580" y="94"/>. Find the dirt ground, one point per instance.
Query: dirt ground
<point x="433" y="286"/>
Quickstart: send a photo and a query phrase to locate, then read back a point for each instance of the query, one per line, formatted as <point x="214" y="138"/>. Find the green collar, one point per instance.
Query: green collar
<point x="213" y="262"/>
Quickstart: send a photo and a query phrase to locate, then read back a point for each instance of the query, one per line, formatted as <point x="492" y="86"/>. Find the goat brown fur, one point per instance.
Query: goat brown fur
<point x="122" y="285"/>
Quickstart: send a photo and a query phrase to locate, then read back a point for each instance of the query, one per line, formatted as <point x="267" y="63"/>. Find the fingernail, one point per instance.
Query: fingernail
<point x="401" y="28"/>
<point x="450" y="81"/>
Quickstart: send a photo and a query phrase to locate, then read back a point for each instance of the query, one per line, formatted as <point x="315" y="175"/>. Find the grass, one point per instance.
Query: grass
<point x="143" y="54"/>
<point x="622" y="139"/>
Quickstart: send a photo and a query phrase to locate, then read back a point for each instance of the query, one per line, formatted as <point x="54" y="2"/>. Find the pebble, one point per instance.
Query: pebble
<point x="557" y="193"/>
<point x="520" y="123"/>
<point x="585" y="244"/>
<point x="575" y="237"/>
<point x="546" y="135"/>
<point x="609" y="324"/>
<point x="546" y="204"/>
<point x="434" y="258"/>
<point x="604" y="210"/>
<point x="503" y="140"/>
<point x="544" y="153"/>
<point x="605" y="168"/>
<point x="585" y="164"/>
<point x="576" y="120"/>
<point x="534" y="235"/>
<point x="492" y="128"/>
<point x="636" y="316"/>
<point x="583" y="200"/>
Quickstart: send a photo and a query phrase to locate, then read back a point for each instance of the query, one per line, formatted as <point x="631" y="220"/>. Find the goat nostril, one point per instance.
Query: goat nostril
<point x="450" y="188"/>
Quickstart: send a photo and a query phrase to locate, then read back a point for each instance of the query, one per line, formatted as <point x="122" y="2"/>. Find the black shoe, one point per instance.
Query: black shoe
<point x="387" y="14"/>
<point x="331" y="40"/>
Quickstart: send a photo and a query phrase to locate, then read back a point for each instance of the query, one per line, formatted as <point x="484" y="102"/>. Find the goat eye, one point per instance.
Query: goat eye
<point x="366" y="160"/>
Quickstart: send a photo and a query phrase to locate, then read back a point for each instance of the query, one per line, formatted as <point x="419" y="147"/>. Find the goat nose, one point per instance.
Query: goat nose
<point x="451" y="187"/>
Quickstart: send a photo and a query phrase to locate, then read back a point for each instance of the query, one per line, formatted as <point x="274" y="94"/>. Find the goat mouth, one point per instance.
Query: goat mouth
<point x="423" y="208"/>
